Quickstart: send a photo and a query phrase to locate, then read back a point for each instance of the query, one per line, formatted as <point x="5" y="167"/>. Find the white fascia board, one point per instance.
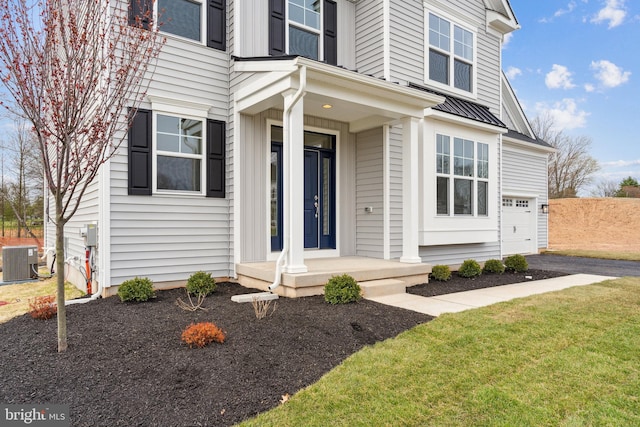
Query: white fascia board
<point x="528" y="145"/>
<point x="450" y="118"/>
<point x="253" y="94"/>
<point x="368" y="83"/>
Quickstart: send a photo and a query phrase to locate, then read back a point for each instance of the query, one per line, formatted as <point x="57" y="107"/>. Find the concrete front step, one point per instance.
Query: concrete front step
<point x="383" y="287"/>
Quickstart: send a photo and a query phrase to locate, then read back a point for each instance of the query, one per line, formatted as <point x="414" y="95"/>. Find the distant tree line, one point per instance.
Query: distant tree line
<point x="22" y="184"/>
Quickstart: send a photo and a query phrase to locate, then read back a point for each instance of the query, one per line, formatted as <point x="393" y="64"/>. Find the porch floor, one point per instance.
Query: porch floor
<point x="261" y="274"/>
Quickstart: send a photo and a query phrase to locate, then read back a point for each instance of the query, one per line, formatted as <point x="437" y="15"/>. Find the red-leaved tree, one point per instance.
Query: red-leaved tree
<point x="76" y="70"/>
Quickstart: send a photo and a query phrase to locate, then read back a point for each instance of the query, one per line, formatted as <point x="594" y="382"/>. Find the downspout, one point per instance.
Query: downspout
<point x="287" y="140"/>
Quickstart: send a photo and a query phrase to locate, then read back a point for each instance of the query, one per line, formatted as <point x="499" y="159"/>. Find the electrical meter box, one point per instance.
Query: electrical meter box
<point x="19" y="263"/>
<point x="90" y="234"/>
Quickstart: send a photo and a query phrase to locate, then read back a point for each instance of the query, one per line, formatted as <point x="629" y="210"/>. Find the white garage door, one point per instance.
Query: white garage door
<point x="518" y="226"/>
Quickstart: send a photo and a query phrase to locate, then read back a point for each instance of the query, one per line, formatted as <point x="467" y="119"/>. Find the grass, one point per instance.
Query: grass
<point x="569" y="358"/>
<point x="18" y="296"/>
<point x="625" y="256"/>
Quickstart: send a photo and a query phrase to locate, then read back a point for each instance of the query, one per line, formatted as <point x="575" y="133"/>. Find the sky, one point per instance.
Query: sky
<point x="578" y="61"/>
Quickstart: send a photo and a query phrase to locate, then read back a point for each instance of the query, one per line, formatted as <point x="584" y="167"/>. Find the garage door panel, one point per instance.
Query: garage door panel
<point x="518" y="226"/>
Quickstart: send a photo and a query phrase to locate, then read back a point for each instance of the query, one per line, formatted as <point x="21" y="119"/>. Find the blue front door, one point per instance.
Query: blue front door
<point x="319" y="191"/>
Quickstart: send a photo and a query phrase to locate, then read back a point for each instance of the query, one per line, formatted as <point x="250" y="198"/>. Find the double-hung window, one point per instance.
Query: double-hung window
<point x="202" y="21"/>
<point x="182" y="18"/>
<point x="451" y="54"/>
<point x="179" y="153"/>
<point x="174" y="153"/>
<point x="462" y="177"/>
<point x="304" y="27"/>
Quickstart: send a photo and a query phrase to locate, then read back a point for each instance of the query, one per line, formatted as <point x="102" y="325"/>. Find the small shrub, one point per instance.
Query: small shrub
<point x="201" y="283"/>
<point x="43" y="307"/>
<point x="261" y="307"/>
<point x="441" y="273"/>
<point x="138" y="289"/>
<point x="517" y="263"/>
<point x="493" y="266"/>
<point x="201" y="334"/>
<point x="342" y="290"/>
<point x="470" y="268"/>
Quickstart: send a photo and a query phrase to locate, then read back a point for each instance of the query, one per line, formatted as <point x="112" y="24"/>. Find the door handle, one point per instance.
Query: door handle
<point x="514" y="228"/>
<point x="315" y="205"/>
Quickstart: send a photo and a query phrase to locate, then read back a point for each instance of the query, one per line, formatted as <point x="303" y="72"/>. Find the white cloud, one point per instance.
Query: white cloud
<point x="565" y="114"/>
<point x="513" y="72"/>
<point x="621" y="163"/>
<point x="589" y="87"/>
<point x="558" y="13"/>
<point x="506" y="40"/>
<point x="609" y="74"/>
<point x="570" y="7"/>
<point x="559" y="78"/>
<point x="614" y="12"/>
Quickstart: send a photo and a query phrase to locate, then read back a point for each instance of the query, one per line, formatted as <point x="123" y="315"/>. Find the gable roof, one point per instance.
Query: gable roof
<point x="520" y="129"/>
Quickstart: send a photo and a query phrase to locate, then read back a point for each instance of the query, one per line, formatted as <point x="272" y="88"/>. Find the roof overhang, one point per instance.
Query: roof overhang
<point x="522" y="141"/>
<point x="463" y="121"/>
<point x="364" y="102"/>
<point x="500" y="16"/>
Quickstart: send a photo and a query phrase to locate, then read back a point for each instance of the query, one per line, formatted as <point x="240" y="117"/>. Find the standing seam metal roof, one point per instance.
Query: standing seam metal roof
<point x="462" y="108"/>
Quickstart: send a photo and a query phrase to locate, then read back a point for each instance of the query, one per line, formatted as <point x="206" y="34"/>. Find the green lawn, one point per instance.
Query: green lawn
<point x="17" y="296"/>
<point x="569" y="358"/>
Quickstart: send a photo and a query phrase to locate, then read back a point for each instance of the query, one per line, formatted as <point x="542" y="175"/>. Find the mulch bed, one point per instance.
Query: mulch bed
<point x="126" y="364"/>
<point x="460" y="284"/>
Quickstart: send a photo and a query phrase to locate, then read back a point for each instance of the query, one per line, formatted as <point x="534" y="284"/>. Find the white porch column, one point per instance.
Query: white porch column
<point x="410" y="194"/>
<point x="293" y="177"/>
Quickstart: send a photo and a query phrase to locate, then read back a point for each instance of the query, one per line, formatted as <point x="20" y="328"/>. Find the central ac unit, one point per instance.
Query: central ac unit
<point x="19" y="263"/>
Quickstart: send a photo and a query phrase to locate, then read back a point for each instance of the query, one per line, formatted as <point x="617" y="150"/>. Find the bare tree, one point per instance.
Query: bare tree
<point x="571" y="168"/>
<point x="605" y="188"/>
<point x="76" y="71"/>
<point x="26" y="177"/>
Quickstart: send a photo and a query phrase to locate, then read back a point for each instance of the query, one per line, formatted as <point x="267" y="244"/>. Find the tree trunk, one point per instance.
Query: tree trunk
<point x="62" y="311"/>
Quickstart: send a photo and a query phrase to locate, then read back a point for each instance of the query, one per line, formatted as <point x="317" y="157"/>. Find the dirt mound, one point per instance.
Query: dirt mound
<point x="611" y="224"/>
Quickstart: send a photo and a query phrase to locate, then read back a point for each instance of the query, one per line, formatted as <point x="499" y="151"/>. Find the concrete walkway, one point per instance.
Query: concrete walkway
<point x="460" y="301"/>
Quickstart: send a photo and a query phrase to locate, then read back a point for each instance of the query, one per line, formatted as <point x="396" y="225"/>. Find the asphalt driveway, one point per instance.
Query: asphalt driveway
<point x="578" y="265"/>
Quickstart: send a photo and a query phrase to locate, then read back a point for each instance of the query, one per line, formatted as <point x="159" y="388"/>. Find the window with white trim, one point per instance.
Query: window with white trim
<point x="462" y="177"/>
<point x="179" y="154"/>
<point x="305" y="28"/>
<point x="450" y="56"/>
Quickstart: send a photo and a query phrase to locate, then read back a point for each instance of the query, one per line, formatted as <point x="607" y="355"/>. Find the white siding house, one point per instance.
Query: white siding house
<point x="282" y="131"/>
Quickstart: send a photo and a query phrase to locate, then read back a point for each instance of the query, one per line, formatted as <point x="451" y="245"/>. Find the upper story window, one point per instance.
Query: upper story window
<point x="304" y="27"/>
<point x="182" y="18"/>
<point x="198" y="20"/>
<point x="451" y="55"/>
<point x="462" y="179"/>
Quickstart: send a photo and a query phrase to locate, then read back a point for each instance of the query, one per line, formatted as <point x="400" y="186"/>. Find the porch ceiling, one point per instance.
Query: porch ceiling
<point x="364" y="102"/>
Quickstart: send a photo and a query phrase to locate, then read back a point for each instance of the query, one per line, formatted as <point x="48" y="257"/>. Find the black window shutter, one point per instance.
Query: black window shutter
<point x="277" y="27"/>
<point x="140" y="154"/>
<point x="330" y="32"/>
<point x="217" y="24"/>
<point x="140" y="13"/>
<point x="216" y="151"/>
